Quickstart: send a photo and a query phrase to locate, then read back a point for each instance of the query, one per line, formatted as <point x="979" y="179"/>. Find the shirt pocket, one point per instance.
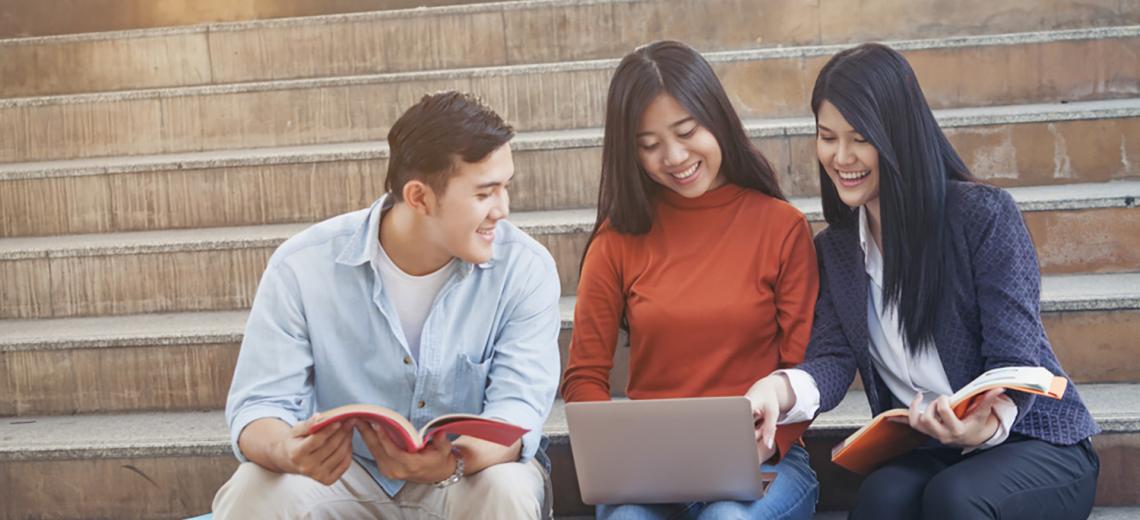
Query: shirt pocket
<point x="469" y="385"/>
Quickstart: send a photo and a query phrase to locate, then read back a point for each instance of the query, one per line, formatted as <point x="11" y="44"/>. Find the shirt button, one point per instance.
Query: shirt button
<point x="422" y="404"/>
<point x="407" y="360"/>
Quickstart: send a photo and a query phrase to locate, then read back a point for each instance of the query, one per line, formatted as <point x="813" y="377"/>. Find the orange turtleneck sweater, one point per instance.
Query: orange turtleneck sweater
<point x="719" y="293"/>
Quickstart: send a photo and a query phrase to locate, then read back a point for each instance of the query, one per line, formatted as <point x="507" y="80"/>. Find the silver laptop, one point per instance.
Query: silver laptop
<point x="665" y="450"/>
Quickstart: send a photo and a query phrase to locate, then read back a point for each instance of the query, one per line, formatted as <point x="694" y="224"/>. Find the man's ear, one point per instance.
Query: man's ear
<point x="420" y="197"/>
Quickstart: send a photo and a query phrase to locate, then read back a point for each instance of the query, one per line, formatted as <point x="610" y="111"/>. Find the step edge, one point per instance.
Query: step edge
<point x="84" y="338"/>
<point x="467" y="73"/>
<point x="1125" y="194"/>
<point x="545" y="140"/>
<point x="218" y="443"/>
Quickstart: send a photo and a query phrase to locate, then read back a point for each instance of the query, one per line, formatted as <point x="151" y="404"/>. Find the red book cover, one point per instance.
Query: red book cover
<point x="401" y="431"/>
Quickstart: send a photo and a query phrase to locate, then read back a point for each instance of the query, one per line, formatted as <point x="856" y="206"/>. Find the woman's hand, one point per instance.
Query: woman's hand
<point x="770" y="397"/>
<point x="763" y="451"/>
<point x="939" y="421"/>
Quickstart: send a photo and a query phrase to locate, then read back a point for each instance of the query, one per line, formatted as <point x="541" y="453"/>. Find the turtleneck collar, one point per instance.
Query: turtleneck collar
<point x="710" y="199"/>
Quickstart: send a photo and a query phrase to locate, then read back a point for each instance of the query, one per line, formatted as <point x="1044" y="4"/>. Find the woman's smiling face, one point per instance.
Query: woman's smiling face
<point x="676" y="151"/>
<point x="850" y="161"/>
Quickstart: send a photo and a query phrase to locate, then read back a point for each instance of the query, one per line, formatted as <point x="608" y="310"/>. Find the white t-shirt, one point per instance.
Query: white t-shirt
<point x="412" y="296"/>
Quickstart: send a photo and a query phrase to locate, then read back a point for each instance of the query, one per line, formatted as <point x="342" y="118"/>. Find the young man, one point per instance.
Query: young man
<point x="429" y="302"/>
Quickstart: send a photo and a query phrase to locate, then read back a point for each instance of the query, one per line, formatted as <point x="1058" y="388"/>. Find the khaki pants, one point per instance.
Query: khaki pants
<point x="504" y="491"/>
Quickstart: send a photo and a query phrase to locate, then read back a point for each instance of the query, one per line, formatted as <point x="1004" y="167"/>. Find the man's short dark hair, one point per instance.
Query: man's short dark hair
<point x="425" y="142"/>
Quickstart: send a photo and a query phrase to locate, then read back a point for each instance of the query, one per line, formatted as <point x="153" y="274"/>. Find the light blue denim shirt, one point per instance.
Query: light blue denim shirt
<point x="322" y="333"/>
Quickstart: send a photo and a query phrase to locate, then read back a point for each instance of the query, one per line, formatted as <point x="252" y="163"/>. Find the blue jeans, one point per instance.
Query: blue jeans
<point x="792" y="496"/>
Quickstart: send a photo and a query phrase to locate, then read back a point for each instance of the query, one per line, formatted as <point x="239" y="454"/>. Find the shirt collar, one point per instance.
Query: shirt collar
<point x="364" y="245"/>
<point x="872" y="258"/>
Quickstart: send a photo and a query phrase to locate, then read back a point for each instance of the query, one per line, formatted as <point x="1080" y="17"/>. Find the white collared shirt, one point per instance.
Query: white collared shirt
<point x="903" y="373"/>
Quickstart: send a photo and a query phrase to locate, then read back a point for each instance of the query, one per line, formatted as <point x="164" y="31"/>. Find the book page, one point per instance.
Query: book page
<point x="881" y="440"/>
<point x="397" y="427"/>
<point x="492" y="430"/>
<point x="1032" y="378"/>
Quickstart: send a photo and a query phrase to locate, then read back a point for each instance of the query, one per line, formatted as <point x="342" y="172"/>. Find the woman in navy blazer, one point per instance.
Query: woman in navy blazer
<point x="927" y="280"/>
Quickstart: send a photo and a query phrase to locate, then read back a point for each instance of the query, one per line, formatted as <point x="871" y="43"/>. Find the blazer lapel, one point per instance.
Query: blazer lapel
<point x="847" y="280"/>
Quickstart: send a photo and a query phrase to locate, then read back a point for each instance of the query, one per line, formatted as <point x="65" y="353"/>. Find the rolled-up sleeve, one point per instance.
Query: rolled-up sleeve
<point x="273" y="374"/>
<point x="523" y="377"/>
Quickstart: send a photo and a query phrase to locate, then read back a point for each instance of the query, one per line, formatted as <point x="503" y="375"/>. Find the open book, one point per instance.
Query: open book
<point x="881" y="440"/>
<point x="401" y="431"/>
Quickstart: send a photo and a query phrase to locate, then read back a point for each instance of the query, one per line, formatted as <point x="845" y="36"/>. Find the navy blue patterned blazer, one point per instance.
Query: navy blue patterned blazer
<point x="990" y="316"/>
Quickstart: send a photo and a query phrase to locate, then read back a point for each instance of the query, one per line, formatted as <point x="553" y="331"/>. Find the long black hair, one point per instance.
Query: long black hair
<point x="876" y="91"/>
<point x="625" y="197"/>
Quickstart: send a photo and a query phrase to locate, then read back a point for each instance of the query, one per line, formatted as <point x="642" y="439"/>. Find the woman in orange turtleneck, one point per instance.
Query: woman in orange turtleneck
<point x="696" y="251"/>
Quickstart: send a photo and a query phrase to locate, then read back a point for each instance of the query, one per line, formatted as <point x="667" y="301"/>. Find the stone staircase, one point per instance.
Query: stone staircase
<point x="147" y="175"/>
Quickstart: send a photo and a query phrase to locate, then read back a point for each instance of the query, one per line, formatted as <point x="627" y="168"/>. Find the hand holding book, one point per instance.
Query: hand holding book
<point x="431" y="464"/>
<point x="404" y="435"/>
<point x="279" y="447"/>
<point x="883" y="439"/>
<point x="939" y="421"/>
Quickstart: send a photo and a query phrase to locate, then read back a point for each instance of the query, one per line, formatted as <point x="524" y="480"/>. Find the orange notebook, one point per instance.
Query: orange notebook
<point x="401" y="431"/>
<point x="881" y="440"/>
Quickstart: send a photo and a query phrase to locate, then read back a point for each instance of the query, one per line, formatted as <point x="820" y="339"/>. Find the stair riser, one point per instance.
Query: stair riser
<point x="165" y="487"/>
<point x="111" y="488"/>
<point x="51" y="382"/>
<point x="505" y="36"/>
<point x="168" y="199"/>
<point x="1094" y="347"/>
<point x="1042" y="153"/>
<point x="226" y="279"/>
<point x="72" y="67"/>
<point x="1067" y="242"/>
<point x="131" y="284"/>
<point x="1086" y="241"/>
<point x="1119" y="456"/>
<point x="1119" y="469"/>
<point x="541" y="100"/>
<point x="43" y="18"/>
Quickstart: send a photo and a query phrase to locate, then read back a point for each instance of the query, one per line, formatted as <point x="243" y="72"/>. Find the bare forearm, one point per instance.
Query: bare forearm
<point x="479" y="454"/>
<point x="261" y="441"/>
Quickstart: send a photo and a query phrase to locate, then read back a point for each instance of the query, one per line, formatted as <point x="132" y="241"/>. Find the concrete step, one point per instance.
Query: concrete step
<point x="160" y="362"/>
<point x="185" y="361"/>
<point x="43" y="17"/>
<point x="1098" y="513"/>
<point x="494" y="34"/>
<point x="152" y="465"/>
<point x="1113" y="406"/>
<point x="956" y="72"/>
<point x="1015" y="145"/>
<point x="218" y="268"/>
